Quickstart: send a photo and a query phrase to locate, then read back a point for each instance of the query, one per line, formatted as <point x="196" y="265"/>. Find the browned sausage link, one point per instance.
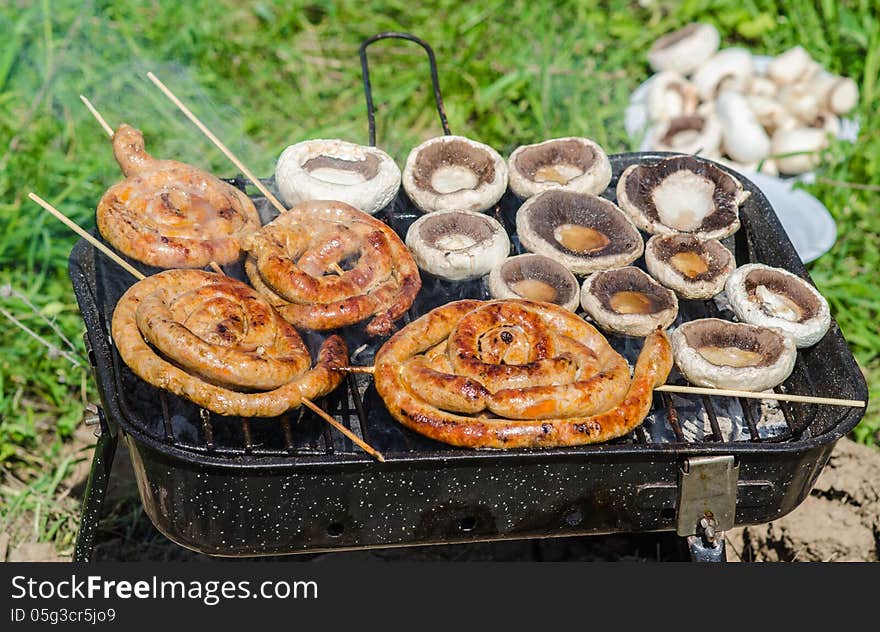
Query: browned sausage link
<point x="169" y="214"/>
<point x="407" y="285"/>
<point x="476" y="353"/>
<point x="180" y="292"/>
<point x="224" y="333"/>
<point x="444" y="390"/>
<point x="130" y="151"/>
<point x="278" y="247"/>
<point x="288" y="260"/>
<point x="583" y="397"/>
<point x="652" y="368"/>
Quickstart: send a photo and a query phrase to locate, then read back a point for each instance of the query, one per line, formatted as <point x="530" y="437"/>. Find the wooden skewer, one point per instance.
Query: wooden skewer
<point x="247" y="172"/>
<point x="355" y="369"/>
<point x="216" y="267"/>
<point x="697" y="390"/>
<point x="98" y="116"/>
<point x="782" y="397"/>
<point x="85" y="235"/>
<point x="348" y="433"/>
<point x="192" y="117"/>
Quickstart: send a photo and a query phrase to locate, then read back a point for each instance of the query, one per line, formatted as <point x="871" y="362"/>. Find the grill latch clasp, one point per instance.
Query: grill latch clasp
<point x="707" y="496"/>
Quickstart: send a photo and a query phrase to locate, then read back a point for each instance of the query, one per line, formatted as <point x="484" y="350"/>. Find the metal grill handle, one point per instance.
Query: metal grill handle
<point x="368" y="91"/>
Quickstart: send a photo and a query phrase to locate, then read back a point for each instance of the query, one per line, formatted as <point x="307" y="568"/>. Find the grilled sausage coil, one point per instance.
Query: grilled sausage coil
<point x="217" y="342"/>
<point x="292" y="259"/>
<point x="169" y="214"/>
<point x="551" y="378"/>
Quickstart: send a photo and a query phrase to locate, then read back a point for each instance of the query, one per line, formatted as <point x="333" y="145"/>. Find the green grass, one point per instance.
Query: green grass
<point x="265" y="74"/>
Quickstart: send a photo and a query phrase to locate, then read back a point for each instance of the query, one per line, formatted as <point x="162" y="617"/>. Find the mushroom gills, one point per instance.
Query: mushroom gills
<point x="629" y="302"/>
<point x="561" y="173"/>
<point x="452" y="178"/>
<point x="581" y="239"/>
<point x="689" y="263"/>
<point x="341" y="171"/>
<point x="535" y="290"/>
<point x="777" y="304"/>
<point x="684" y="199"/>
<point x="730" y="356"/>
<point x="455" y="241"/>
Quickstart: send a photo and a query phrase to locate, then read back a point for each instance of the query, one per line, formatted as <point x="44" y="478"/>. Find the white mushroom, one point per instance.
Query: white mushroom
<point x="774" y="297"/>
<point x="800" y="101"/>
<point x="627" y="301"/>
<point x="790" y="66"/>
<point x="828" y="122"/>
<point x="721" y="354"/>
<point x="457" y="245"/>
<point x="693" y="134"/>
<point x="743" y="137"/>
<point x="769" y="112"/>
<point x="728" y="69"/>
<point x="581" y="231"/>
<point x="536" y="278"/>
<point x="837" y="94"/>
<point x="683" y="50"/>
<point x="762" y="87"/>
<point x="364" y="177"/>
<point x="694" y="268"/>
<point x="454" y="173"/>
<point x="798" y="150"/>
<point x="671" y="95"/>
<point x="571" y="163"/>
<point x="681" y="194"/>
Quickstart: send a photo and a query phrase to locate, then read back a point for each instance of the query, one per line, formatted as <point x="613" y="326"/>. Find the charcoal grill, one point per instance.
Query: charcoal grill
<point x="229" y="486"/>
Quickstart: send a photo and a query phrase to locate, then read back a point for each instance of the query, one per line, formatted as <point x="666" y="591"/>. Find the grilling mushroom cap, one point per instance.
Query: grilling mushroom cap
<point x="627" y="301"/>
<point x="694" y="268"/>
<point x="722" y="354"/>
<point x="364" y="177"/>
<point x="685" y="49"/>
<point x="763" y="295"/>
<point x="536" y="278"/>
<point x="581" y="231"/>
<point x="454" y="173"/>
<point x="570" y="163"/>
<point x="457" y="245"/>
<point x="682" y="194"/>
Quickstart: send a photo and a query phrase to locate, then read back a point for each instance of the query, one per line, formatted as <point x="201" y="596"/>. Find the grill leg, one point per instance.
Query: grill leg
<point x="96" y="488"/>
<point x="703" y="550"/>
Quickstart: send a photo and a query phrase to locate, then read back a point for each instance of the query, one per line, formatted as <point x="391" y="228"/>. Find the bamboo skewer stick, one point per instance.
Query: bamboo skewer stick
<point x="782" y="397"/>
<point x="192" y="117"/>
<point x="222" y="147"/>
<point x="348" y="433"/>
<point x="698" y="390"/>
<point x="356" y="369"/>
<point x="98" y="116"/>
<point x="85" y="235"/>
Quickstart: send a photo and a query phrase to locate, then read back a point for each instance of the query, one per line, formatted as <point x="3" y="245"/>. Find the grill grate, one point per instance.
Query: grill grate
<point x="674" y="419"/>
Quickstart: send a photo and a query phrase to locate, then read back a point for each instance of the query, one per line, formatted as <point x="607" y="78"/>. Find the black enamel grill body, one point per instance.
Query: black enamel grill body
<point x="228" y="486"/>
